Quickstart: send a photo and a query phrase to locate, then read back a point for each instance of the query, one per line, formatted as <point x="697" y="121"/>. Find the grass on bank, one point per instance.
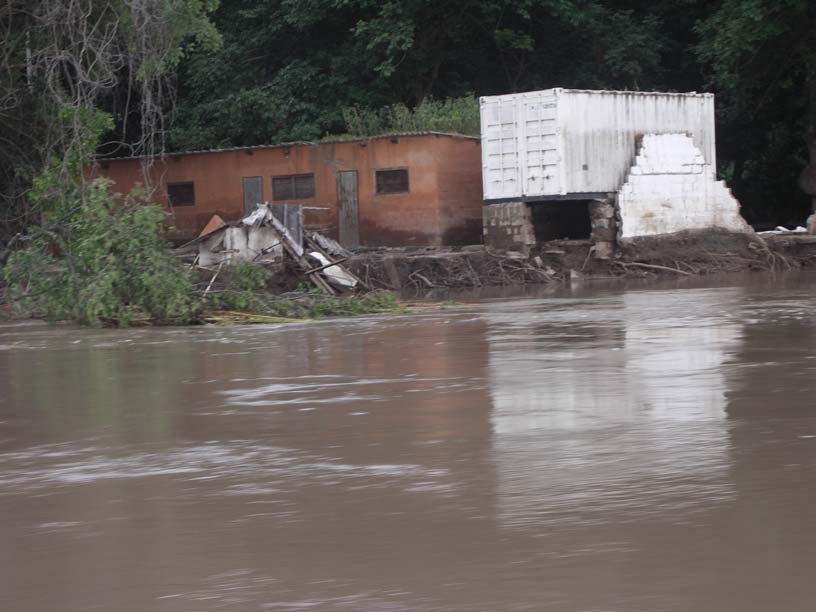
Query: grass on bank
<point x="294" y="308"/>
<point x="242" y="296"/>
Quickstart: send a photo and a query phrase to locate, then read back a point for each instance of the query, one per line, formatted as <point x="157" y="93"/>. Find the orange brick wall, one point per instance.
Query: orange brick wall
<point x="459" y="185"/>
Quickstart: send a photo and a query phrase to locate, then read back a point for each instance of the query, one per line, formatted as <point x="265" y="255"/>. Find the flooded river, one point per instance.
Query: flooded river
<point x="634" y="450"/>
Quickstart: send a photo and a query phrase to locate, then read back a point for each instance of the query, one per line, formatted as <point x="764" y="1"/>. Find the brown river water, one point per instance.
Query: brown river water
<point x="641" y="449"/>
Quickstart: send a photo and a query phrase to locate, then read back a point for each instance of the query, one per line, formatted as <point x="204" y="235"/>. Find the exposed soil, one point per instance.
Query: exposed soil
<point x="706" y="253"/>
<point x="435" y="268"/>
<point x="685" y="253"/>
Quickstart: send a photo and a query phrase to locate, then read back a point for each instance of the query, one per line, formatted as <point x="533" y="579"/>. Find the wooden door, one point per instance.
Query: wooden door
<point x="348" y="214"/>
<point x="253" y="193"/>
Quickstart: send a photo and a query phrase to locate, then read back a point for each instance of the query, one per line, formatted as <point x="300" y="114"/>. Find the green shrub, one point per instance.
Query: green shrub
<point x="455" y="115"/>
<point x="100" y="263"/>
<point x="244" y="285"/>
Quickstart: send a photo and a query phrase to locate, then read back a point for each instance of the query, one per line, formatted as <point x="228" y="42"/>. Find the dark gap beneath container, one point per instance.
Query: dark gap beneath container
<point x="567" y="220"/>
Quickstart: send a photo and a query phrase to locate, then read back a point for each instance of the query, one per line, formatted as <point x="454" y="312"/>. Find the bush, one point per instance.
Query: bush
<point x="455" y="115"/>
<point x="102" y="263"/>
<point x="244" y="285"/>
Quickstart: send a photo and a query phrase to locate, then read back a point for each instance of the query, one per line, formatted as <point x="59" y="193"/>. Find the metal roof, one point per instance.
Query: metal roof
<point x="298" y="143"/>
<point x="605" y="92"/>
<point x="624" y="92"/>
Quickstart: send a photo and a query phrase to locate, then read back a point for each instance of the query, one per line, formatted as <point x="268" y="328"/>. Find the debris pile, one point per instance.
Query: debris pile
<point x="269" y="235"/>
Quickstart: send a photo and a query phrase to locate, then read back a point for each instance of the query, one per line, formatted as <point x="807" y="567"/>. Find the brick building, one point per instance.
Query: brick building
<point x="393" y="190"/>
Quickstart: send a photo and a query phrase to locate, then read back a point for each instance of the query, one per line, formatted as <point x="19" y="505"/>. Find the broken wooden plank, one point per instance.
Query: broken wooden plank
<point x="287" y="238"/>
<point x="331" y="247"/>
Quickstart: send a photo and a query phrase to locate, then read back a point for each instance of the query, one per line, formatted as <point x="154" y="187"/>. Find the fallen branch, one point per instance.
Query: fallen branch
<point x="212" y="280"/>
<point x="427" y="282"/>
<point x="231" y="317"/>
<point x="652" y="267"/>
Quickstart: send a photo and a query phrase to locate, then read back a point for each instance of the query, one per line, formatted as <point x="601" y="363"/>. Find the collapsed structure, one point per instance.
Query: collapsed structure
<point x="267" y="235"/>
<point x="600" y="165"/>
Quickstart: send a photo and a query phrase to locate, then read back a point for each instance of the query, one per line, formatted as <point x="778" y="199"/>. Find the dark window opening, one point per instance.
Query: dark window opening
<point x="391" y="181"/>
<point x="293" y="187"/>
<point x="567" y="220"/>
<point x="181" y="194"/>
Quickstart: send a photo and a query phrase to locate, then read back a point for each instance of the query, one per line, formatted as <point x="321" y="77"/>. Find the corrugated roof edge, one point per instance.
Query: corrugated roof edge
<point x="643" y="93"/>
<point x="297" y="143"/>
<point x="690" y="94"/>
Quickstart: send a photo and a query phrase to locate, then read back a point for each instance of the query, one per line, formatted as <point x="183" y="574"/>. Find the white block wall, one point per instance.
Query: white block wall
<point x="671" y="188"/>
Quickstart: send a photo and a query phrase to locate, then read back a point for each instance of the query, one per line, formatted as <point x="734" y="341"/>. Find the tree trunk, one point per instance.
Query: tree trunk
<point x="807" y="179"/>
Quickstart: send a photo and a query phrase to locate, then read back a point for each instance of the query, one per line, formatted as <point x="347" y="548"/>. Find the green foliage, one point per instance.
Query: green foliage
<point x="248" y="116"/>
<point x="761" y="56"/>
<point x="455" y="115"/>
<point x="244" y="288"/>
<point x="60" y="189"/>
<point x="186" y="27"/>
<point x="765" y="38"/>
<point x="287" y="70"/>
<point x="103" y="264"/>
<point x="246" y="276"/>
<point x="63" y="62"/>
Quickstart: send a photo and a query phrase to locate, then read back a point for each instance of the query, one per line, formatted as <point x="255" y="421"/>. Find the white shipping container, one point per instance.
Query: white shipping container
<point x="572" y="143"/>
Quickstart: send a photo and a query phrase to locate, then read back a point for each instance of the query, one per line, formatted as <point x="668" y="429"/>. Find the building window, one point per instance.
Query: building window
<point x="293" y="187"/>
<point x="181" y="194"/>
<point x="391" y="181"/>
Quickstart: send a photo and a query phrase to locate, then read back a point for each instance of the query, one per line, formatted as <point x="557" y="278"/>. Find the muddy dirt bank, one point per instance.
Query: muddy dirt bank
<point x="418" y="270"/>
<point x="683" y="254"/>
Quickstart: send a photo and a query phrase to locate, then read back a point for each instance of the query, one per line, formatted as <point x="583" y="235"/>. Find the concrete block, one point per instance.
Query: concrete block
<point x="604" y="234"/>
<point x="604" y="250"/>
<point x="507" y="224"/>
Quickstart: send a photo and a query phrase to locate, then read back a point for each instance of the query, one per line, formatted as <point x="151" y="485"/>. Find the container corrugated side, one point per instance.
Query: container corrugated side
<point x="520" y="145"/>
<point x="600" y="130"/>
<point x="501" y="174"/>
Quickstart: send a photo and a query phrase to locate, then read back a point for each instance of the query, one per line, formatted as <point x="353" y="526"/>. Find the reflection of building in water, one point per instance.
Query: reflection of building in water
<point x="614" y="404"/>
<point x="673" y="363"/>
